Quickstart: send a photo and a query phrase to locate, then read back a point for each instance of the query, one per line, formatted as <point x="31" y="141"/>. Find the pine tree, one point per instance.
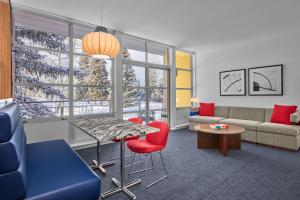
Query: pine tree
<point x="155" y="94"/>
<point x="34" y="69"/>
<point x="82" y="92"/>
<point x="153" y="78"/>
<point x="31" y="68"/>
<point x="96" y="74"/>
<point x="131" y="94"/>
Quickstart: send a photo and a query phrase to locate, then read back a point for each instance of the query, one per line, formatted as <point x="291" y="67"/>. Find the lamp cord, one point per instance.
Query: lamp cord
<point x="101" y="10"/>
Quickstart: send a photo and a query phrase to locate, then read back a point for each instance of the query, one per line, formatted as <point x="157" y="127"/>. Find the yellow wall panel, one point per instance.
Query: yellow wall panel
<point x="183" y="79"/>
<point x="183" y="60"/>
<point x="183" y="98"/>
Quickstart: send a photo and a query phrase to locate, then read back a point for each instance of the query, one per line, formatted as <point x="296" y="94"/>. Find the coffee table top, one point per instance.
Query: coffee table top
<point x="230" y="130"/>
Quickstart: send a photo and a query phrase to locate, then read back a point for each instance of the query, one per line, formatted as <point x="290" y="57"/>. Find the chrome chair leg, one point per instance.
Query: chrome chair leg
<point x="131" y="163"/>
<point x="152" y="160"/>
<point x="163" y="162"/>
<point x="142" y="170"/>
<point x="165" y="176"/>
<point x="146" y="168"/>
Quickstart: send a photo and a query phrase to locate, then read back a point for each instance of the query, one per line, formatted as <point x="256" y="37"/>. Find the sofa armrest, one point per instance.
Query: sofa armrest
<point x="295" y="117"/>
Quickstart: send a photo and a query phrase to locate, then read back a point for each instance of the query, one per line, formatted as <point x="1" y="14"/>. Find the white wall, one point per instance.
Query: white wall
<point x="182" y="115"/>
<point x="276" y="49"/>
<point x="43" y="131"/>
<point x="56" y="129"/>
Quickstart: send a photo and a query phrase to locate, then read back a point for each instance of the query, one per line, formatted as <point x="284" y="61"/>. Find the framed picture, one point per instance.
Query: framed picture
<point x="266" y="81"/>
<point x="233" y="83"/>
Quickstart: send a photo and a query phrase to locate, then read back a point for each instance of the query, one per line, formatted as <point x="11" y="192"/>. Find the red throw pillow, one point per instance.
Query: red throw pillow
<point x="207" y="109"/>
<point x="281" y="114"/>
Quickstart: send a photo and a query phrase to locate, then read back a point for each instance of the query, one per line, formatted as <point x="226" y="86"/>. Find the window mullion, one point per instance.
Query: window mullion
<point x="71" y="132"/>
<point x="71" y="72"/>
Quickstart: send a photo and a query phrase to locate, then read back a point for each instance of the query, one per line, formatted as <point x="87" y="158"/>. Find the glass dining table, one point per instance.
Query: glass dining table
<point x="104" y="130"/>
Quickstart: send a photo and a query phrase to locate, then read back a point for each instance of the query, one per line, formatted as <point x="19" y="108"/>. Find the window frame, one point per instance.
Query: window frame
<point x="148" y="66"/>
<point x="117" y="110"/>
<point x="70" y="83"/>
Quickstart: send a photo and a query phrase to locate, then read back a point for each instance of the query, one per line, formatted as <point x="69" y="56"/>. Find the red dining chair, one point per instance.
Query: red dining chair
<point x="154" y="142"/>
<point x="136" y="120"/>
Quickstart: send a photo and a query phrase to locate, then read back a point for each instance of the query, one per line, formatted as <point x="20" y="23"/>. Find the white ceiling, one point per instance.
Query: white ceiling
<point x="184" y="23"/>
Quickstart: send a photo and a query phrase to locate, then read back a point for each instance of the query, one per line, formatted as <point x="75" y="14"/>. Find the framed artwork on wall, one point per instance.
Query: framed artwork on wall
<point x="233" y="83"/>
<point x="266" y="81"/>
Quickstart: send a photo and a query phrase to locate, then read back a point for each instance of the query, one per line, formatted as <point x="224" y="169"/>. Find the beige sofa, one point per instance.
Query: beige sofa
<point x="257" y="123"/>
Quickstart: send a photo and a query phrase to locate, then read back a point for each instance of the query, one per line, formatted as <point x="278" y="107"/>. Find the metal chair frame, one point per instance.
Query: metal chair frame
<point x="126" y="156"/>
<point x="146" y="168"/>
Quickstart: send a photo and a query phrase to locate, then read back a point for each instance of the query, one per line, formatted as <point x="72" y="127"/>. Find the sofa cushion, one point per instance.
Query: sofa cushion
<point x="9" y="118"/>
<point x="246" y="124"/>
<point x="194" y="113"/>
<point x="269" y="112"/>
<point x="254" y="114"/>
<point x="207" y="109"/>
<point x="11" y="151"/>
<point x="205" y="119"/>
<point x="282" y="129"/>
<point x="55" y="171"/>
<point x="282" y="113"/>
<point x="222" y="111"/>
<point x="13" y="173"/>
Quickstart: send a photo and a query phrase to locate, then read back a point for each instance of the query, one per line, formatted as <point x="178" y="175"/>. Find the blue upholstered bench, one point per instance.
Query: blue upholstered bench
<point x="44" y="170"/>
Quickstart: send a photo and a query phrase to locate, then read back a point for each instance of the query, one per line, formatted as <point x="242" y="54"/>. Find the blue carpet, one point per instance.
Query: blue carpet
<point x="255" y="172"/>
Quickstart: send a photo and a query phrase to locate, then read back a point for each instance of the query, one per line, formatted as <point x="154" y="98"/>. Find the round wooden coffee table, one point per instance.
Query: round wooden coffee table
<point x="224" y="139"/>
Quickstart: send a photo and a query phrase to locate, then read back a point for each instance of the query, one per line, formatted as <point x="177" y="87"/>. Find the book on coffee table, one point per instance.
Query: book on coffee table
<point x="219" y="126"/>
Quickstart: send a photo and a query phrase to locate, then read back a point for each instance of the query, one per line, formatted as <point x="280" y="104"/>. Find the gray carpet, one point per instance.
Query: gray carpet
<point x="255" y="172"/>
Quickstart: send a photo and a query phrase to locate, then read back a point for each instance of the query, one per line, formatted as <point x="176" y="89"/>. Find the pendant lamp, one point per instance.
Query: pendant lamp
<point x="100" y="43"/>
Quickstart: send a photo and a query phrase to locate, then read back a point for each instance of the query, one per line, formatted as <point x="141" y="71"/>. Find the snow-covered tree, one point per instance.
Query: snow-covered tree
<point x="95" y="74"/>
<point x="155" y="94"/>
<point x="153" y="78"/>
<point x="37" y="70"/>
<point x="131" y="94"/>
<point x="32" y="68"/>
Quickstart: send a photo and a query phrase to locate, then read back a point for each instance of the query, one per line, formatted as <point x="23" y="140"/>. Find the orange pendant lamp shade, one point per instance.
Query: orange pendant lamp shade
<point x="101" y="44"/>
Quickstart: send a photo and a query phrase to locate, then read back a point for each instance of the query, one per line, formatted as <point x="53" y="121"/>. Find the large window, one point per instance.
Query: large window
<point x="46" y="53"/>
<point x="55" y="79"/>
<point x="145" y="80"/>
<point x="92" y="89"/>
<point x="183" y="79"/>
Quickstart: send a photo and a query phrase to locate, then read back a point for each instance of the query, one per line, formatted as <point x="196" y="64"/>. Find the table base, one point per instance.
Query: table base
<point x="101" y="166"/>
<point x="223" y="142"/>
<point x="121" y="189"/>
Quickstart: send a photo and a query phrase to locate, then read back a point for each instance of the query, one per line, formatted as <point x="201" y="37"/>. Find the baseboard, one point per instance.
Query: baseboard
<point x="87" y="144"/>
<point x="180" y="126"/>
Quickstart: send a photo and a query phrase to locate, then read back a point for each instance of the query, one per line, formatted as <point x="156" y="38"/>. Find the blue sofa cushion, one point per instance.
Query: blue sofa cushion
<point x="13" y="177"/>
<point x="11" y="151"/>
<point x="13" y="185"/>
<point x="55" y="171"/>
<point x="193" y="113"/>
<point x="9" y="118"/>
